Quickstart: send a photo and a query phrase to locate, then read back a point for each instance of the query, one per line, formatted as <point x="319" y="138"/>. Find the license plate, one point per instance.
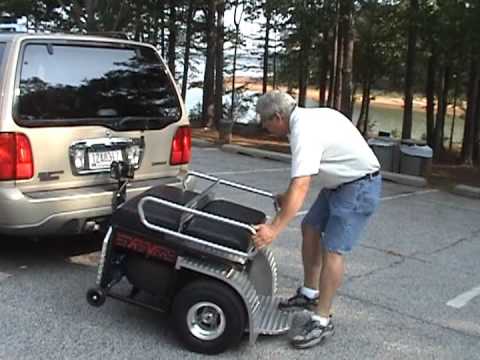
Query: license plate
<point x="103" y="159"/>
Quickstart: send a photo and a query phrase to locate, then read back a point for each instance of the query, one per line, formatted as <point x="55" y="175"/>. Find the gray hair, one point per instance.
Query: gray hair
<point x="273" y="102"/>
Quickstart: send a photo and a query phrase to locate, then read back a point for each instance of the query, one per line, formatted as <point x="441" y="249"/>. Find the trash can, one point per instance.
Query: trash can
<point x="415" y="159"/>
<point x="384" y="149"/>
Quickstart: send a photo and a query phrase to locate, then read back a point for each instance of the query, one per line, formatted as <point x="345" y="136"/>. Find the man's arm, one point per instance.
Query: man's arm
<point x="293" y="200"/>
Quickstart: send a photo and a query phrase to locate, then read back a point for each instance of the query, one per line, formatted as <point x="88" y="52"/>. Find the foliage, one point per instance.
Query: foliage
<point x="299" y="31"/>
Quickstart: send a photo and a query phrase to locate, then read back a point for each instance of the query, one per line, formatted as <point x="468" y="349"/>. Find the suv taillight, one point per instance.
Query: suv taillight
<point x="16" y="158"/>
<point x="181" y="146"/>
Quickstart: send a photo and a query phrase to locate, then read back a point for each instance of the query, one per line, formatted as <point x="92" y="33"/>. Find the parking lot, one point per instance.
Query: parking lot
<point x="412" y="288"/>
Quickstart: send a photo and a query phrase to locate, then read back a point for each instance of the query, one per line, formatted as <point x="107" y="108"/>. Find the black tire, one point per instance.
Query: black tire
<point x="96" y="297"/>
<point x="204" y="298"/>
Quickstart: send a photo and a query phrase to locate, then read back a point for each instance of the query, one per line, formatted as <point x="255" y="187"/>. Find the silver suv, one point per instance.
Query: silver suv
<point x="69" y="106"/>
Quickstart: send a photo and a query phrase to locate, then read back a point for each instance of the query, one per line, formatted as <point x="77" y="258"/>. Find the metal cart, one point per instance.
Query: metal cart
<point x="194" y="254"/>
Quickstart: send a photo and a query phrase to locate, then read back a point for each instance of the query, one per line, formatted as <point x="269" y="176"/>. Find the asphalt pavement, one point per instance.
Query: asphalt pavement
<point x="411" y="291"/>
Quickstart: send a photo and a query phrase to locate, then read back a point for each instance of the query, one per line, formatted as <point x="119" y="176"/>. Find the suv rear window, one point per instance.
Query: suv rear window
<point x="124" y="88"/>
<point x="2" y="50"/>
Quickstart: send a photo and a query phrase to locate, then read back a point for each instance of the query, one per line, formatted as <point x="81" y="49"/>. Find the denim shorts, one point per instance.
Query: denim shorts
<point x="341" y="214"/>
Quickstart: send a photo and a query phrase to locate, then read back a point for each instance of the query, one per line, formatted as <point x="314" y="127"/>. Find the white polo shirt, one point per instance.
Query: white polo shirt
<point x="325" y="142"/>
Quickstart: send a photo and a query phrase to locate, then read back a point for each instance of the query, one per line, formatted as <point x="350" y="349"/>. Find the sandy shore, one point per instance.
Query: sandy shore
<point x="394" y="101"/>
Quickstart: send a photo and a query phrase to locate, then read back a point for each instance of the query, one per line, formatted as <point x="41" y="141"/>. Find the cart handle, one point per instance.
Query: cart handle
<point x="173" y="205"/>
<point x="176" y="206"/>
<point x="228" y="183"/>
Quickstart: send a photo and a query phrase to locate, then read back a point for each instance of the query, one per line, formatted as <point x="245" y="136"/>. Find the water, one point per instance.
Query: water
<point x="385" y="118"/>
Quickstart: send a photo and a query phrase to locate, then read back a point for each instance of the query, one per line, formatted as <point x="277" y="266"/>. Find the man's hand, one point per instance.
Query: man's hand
<point x="266" y="233"/>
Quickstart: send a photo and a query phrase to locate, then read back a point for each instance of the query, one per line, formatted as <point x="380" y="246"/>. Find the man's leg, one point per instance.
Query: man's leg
<point x="320" y="325"/>
<point x="312" y="226"/>
<point x="330" y="280"/>
<point x="350" y="208"/>
<point x="311" y="256"/>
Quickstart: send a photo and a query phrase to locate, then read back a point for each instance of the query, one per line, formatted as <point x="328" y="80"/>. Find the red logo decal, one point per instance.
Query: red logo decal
<point x="142" y="246"/>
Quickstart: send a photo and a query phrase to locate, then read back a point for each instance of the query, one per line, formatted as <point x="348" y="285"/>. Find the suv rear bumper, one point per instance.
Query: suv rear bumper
<point x="65" y="211"/>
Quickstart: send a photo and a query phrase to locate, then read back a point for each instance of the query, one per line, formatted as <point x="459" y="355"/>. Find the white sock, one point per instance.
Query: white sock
<point x="308" y="292"/>
<point x="322" y="320"/>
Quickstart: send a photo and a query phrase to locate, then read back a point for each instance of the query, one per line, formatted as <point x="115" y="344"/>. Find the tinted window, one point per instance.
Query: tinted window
<point x="2" y="50"/>
<point x="122" y="88"/>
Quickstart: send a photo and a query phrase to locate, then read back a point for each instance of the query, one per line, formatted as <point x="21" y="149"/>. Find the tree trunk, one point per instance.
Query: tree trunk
<point x="322" y="77"/>
<point x="339" y="67"/>
<point x="162" y="34"/>
<point x="476" y="121"/>
<point x="347" y="77"/>
<point x="234" y="70"/>
<point x="121" y="16"/>
<point x="367" y="109"/>
<point x="430" y="94"/>
<point x="237" y="22"/>
<point x="172" y="37"/>
<point x="304" y="54"/>
<point x="353" y="99"/>
<point x="289" y="82"/>
<point x="186" y="57"/>
<point x="91" y="6"/>
<point x="138" y="22"/>
<point x="333" y="67"/>
<point x="446" y="89"/>
<point x="209" y="76"/>
<point x="455" y="97"/>
<point x="363" y="107"/>
<point x="472" y="96"/>
<point x="224" y="131"/>
<point x="274" y="81"/>
<point x="265" y="52"/>
<point x="410" y="71"/>
<point x="154" y="39"/>
<point x="333" y="63"/>
<point x="441" y="111"/>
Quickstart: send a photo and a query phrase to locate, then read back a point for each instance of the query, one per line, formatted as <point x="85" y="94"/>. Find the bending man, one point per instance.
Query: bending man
<point x="323" y="142"/>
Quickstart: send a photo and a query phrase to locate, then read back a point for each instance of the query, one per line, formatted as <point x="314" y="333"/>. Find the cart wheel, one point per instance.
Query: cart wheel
<point x="209" y="317"/>
<point x="96" y="297"/>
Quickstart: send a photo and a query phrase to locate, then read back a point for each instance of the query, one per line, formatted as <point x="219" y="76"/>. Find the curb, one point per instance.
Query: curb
<point x="415" y="181"/>
<point x="271" y="155"/>
<point x="468" y="191"/>
<point x="393" y="177"/>
<point x="202" y="143"/>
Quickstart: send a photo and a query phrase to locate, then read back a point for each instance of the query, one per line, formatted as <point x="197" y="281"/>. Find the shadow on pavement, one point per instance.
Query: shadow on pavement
<point x="61" y="247"/>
